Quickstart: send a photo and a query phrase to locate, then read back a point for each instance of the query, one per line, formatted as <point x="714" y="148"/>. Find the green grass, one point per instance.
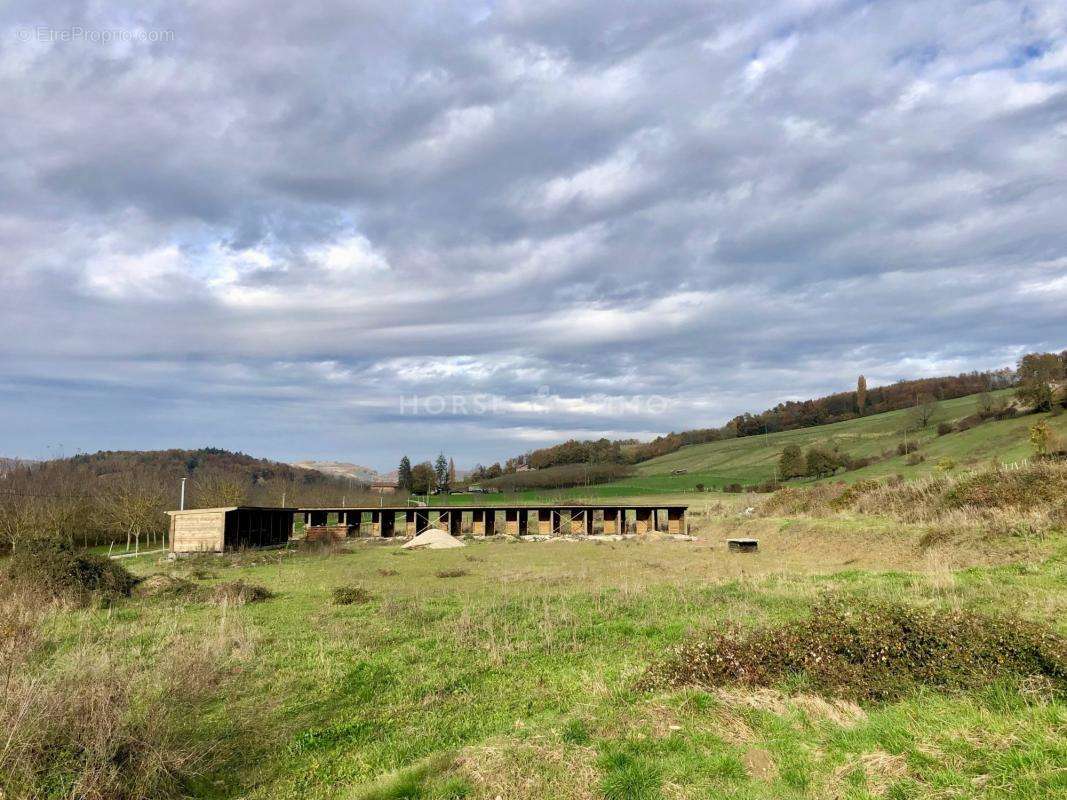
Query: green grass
<point x="752" y="459"/>
<point x="516" y="679"/>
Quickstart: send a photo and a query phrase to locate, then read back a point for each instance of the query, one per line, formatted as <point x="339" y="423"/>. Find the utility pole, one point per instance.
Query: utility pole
<point x="181" y="504"/>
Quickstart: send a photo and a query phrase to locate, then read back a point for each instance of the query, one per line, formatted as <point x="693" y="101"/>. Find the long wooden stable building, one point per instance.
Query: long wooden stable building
<point x="487" y="520"/>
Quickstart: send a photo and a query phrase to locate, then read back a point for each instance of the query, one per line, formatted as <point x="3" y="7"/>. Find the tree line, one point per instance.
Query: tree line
<point x="120" y="496"/>
<point x="790" y="415"/>
<point x="1039" y="387"/>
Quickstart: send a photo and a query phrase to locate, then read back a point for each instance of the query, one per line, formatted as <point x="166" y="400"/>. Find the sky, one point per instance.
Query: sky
<point x="356" y="230"/>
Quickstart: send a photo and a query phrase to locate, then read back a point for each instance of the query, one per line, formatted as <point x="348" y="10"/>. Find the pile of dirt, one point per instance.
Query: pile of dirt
<point x="434" y="539"/>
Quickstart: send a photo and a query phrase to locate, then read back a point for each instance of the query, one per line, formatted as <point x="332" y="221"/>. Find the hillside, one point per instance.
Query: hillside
<point x="342" y="469"/>
<point x="98" y="497"/>
<point x="752" y="459"/>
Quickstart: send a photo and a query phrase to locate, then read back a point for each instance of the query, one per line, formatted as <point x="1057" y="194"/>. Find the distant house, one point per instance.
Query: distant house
<point x="383" y="487"/>
<point x="522" y="468"/>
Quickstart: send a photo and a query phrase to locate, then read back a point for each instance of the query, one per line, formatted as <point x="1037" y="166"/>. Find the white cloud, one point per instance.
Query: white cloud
<point x="272" y="237"/>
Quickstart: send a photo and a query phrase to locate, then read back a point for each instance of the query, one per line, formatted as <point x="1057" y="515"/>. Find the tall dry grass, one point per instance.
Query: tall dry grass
<point x="1028" y="500"/>
<point x="83" y="719"/>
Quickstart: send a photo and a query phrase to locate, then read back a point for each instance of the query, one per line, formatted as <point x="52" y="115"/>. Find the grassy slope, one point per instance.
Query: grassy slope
<point x="752" y="459"/>
<point x="516" y="679"/>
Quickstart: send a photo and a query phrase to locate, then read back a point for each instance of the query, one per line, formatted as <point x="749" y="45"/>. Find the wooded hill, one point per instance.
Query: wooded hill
<point x="110" y="495"/>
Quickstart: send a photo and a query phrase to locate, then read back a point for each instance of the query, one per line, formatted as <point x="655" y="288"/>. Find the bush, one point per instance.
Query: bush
<point x="852" y="493"/>
<point x="733" y="488"/>
<point x="820" y="462"/>
<point x="765" y="487"/>
<point x="55" y="568"/>
<point x="871" y="651"/>
<point x="238" y="593"/>
<point x="351" y="596"/>
<point x="1037" y="486"/>
<point x="851" y="464"/>
<point x="907" y="447"/>
<point x="451" y="573"/>
<point x="162" y="585"/>
<point x="915" y="459"/>
<point x="791" y="501"/>
<point x="944" y="429"/>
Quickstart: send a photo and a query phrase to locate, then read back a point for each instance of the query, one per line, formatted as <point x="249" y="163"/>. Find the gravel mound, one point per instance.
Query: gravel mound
<point x="434" y="539"/>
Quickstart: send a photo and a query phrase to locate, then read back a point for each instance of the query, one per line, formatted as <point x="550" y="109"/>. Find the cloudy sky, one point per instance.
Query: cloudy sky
<point x="356" y="230"/>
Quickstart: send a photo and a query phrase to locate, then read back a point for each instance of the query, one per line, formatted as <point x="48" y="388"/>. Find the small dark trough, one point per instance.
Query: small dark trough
<point x="743" y="545"/>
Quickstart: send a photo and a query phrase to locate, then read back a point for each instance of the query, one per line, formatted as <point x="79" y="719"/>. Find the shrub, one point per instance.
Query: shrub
<point x="733" y="488"/>
<point x="162" y="585"/>
<point x="871" y="651"/>
<point x="850" y="463"/>
<point x="914" y="459"/>
<point x="1038" y="485"/>
<point x="907" y="447"/>
<point x="351" y="596"/>
<point x="944" y="428"/>
<point x="451" y="573"/>
<point x="55" y="568"/>
<point x="790" y="502"/>
<point x="850" y="495"/>
<point x="820" y="462"/>
<point x="765" y="487"/>
<point x="238" y="593"/>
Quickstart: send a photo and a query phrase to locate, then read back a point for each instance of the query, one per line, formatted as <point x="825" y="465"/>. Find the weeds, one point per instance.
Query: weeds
<point x="451" y="573"/>
<point x="351" y="595"/>
<point x="238" y="593"/>
<point x="54" y="568"/>
<point x="871" y="651"/>
<point x="1024" y="501"/>
<point x="86" y="722"/>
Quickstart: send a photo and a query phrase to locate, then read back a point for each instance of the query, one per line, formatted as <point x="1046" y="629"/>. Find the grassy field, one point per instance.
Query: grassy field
<point x="752" y="459"/>
<point x="509" y="669"/>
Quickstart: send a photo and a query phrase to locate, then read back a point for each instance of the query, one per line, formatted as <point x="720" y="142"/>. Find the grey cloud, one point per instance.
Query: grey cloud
<point x="725" y="204"/>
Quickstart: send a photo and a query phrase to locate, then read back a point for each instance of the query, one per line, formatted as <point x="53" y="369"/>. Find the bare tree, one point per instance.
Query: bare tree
<point x="216" y="490"/>
<point x="132" y="508"/>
